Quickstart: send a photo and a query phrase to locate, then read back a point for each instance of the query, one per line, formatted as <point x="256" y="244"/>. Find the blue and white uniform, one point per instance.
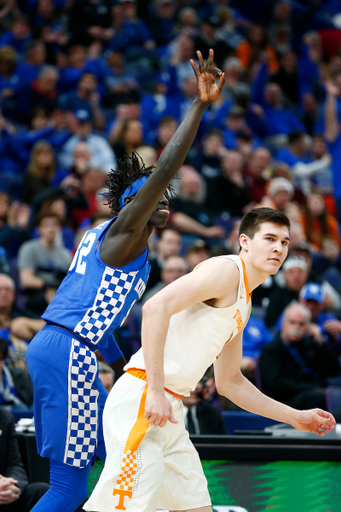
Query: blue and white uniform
<point x="92" y="301"/>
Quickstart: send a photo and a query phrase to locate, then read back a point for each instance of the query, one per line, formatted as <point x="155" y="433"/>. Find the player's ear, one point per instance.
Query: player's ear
<point x="243" y="242"/>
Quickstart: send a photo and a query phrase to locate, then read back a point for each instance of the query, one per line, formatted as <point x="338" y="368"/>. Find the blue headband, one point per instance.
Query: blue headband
<point x="132" y="189"/>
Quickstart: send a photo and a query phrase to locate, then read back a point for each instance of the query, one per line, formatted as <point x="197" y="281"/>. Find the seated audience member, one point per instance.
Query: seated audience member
<point x="41" y="172"/>
<point x="294" y="155"/>
<point x="91" y="183"/>
<point x="85" y="98"/>
<point x="42" y="264"/>
<point x="9" y="394"/>
<point x="81" y="159"/>
<point x="255" y="336"/>
<point x="318" y="223"/>
<point x="106" y="374"/>
<point x="202" y="418"/>
<point x="322" y="182"/>
<point x="173" y="268"/>
<point x="16" y="493"/>
<point x="189" y="212"/>
<point x="328" y="262"/>
<point x="58" y="205"/>
<point x="165" y="131"/>
<point x="128" y="138"/>
<point x="279" y="195"/>
<point x="14" y="221"/>
<point x="323" y="325"/>
<point x="294" y="367"/>
<point x="168" y="244"/>
<point x="196" y="253"/>
<point x="102" y="154"/>
<point x="230" y="193"/>
<point x="295" y="273"/>
<point x="208" y="159"/>
<point x="255" y="171"/>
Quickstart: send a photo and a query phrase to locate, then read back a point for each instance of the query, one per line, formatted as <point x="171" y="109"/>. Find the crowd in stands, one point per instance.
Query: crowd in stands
<point x="83" y="82"/>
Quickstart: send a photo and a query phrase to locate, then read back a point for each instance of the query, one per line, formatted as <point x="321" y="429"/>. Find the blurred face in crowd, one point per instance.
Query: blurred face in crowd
<point x="7" y="293"/>
<point x="83" y="128"/>
<point x="169" y="243"/>
<point x="93" y="181"/>
<point x="20" y="29"/>
<point x="44" y="158"/>
<point x="315" y="204"/>
<point x="259" y="161"/>
<point x="166" y="131"/>
<point x="77" y="57"/>
<point x="295" y="324"/>
<point x="189" y="87"/>
<point x="39" y="121"/>
<point x="314" y="307"/>
<point x="295" y="278"/>
<point x="4" y="206"/>
<point x="37" y="55"/>
<point x="107" y="379"/>
<point x="190" y="182"/>
<point x="213" y="145"/>
<point x="48" y="82"/>
<point x="273" y="95"/>
<point x="48" y="229"/>
<point x="174" y="267"/>
<point x="235" y="123"/>
<point x="289" y="62"/>
<point x="257" y="35"/>
<point x="309" y="103"/>
<point x="81" y="152"/>
<point x="88" y="83"/>
<point x="232" y="163"/>
<point x="281" y="199"/>
<point x="196" y="256"/>
<point x="59" y="208"/>
<point x="330" y="249"/>
<point x="318" y="147"/>
<point x="133" y="134"/>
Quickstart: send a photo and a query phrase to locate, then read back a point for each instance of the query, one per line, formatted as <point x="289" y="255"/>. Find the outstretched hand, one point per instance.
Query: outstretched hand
<point x="314" y="420"/>
<point x="208" y="90"/>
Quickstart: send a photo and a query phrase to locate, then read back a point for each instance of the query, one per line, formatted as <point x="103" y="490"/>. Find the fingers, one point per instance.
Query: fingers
<point x="201" y="62"/>
<point x="221" y="82"/>
<point x="209" y="64"/>
<point x="195" y="69"/>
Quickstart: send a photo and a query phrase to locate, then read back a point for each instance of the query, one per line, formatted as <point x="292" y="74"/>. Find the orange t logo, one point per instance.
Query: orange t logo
<point x="122" y="494"/>
<point x="239" y="320"/>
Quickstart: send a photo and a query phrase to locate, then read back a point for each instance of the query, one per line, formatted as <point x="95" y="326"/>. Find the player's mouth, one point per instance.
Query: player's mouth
<point x="277" y="260"/>
<point x="164" y="210"/>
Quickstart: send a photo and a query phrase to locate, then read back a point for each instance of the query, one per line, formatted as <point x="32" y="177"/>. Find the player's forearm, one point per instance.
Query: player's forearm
<point x="155" y="324"/>
<point x="173" y="156"/>
<point x="248" y="397"/>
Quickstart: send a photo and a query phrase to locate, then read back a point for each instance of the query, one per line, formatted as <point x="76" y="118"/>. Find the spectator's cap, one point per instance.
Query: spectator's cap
<point x="312" y="291"/>
<point x="236" y="111"/>
<point x="82" y="115"/>
<point x="197" y="246"/>
<point x="280" y="184"/>
<point x="213" y="20"/>
<point x="297" y="262"/>
<point x="303" y="246"/>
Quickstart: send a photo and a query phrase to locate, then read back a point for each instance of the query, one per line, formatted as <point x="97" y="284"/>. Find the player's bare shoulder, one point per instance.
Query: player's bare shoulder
<point x="224" y="277"/>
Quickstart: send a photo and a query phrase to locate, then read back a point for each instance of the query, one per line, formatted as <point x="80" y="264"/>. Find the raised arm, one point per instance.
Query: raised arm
<point x="173" y="156"/>
<point x="331" y="124"/>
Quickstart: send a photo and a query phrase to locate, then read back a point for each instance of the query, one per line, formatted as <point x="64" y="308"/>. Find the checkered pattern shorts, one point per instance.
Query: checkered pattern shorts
<point x="108" y="303"/>
<point x="82" y="408"/>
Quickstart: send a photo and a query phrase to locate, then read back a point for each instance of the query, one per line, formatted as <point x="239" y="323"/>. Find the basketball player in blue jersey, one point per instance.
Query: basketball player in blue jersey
<point x="107" y="276"/>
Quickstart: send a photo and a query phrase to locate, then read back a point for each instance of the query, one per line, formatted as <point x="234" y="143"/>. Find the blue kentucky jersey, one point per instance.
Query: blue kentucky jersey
<point x="94" y="298"/>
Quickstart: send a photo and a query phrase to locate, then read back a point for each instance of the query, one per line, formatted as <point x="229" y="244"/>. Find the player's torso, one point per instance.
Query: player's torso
<point x="197" y="336"/>
<point x="94" y="298"/>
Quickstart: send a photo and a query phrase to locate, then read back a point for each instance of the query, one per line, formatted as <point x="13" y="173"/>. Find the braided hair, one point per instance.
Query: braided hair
<point x="131" y="168"/>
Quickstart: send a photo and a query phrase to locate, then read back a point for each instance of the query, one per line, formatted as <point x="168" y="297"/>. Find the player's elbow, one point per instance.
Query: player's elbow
<point x="151" y="308"/>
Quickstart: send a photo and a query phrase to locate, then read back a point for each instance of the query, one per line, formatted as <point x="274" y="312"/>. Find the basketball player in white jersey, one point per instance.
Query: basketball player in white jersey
<point x="194" y="322"/>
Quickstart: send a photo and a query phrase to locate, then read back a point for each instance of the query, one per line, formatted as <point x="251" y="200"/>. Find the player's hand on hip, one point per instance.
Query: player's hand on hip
<point x="314" y="420"/>
<point x="208" y="90"/>
<point x="158" y="409"/>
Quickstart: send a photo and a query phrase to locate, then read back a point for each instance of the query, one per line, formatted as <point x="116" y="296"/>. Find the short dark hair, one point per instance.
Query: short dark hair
<point x="48" y="215"/>
<point x="295" y="136"/>
<point x="251" y="222"/>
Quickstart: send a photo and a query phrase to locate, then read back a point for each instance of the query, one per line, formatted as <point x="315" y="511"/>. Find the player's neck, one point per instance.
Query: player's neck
<point x="254" y="275"/>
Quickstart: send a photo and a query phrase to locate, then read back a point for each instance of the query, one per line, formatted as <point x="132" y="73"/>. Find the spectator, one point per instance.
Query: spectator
<point x="322" y="182"/>
<point x="128" y="139"/>
<point x="173" y="268"/>
<point x="43" y="264"/>
<point x="9" y="397"/>
<point x="91" y="183"/>
<point x="202" y="418"/>
<point x="101" y="153"/>
<point x="189" y="213"/>
<point x="41" y="172"/>
<point x="89" y="21"/>
<point x="165" y="131"/>
<point x="43" y="90"/>
<point x="196" y="253"/>
<point x="120" y="83"/>
<point x="255" y="173"/>
<point x="18" y="36"/>
<point x="8" y="79"/>
<point x="255" y="336"/>
<point x="293" y="156"/>
<point x="279" y="195"/>
<point x="16" y="493"/>
<point x="294" y="366"/>
<point x="207" y="38"/>
<point x="85" y="98"/>
<point x="318" y="223"/>
<point x="250" y="51"/>
<point x="81" y="159"/>
<point x="106" y="374"/>
<point x="323" y="325"/>
<point x="295" y="273"/>
<point x="169" y="244"/>
<point x="231" y="193"/>
<point x="14" y="220"/>
<point x="328" y="262"/>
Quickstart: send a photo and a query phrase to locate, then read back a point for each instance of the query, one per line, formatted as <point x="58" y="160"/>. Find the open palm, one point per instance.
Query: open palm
<point x="208" y="90"/>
